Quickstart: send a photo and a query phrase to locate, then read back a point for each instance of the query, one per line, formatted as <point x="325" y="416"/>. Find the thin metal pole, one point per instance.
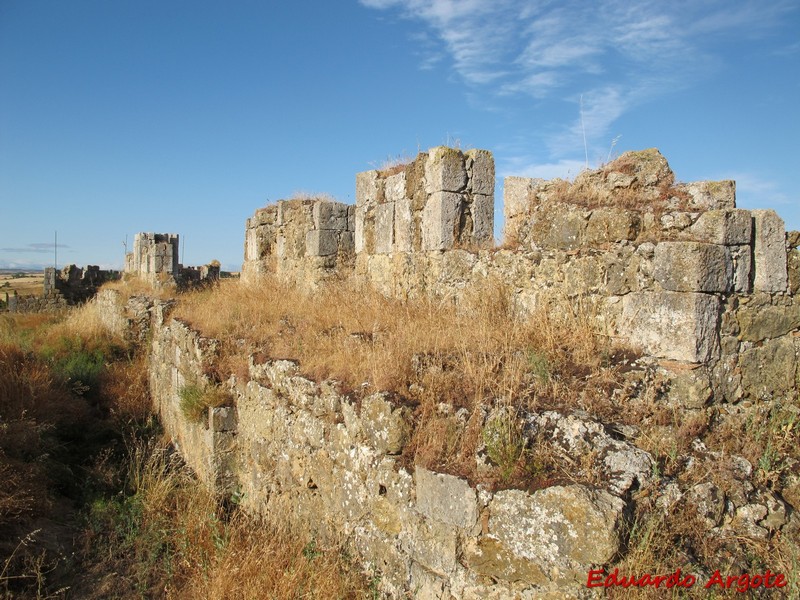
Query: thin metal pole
<point x="55" y="251"/>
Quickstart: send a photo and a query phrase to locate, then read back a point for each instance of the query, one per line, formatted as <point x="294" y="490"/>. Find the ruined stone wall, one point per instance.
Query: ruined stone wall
<point x="65" y="287"/>
<point x="302" y="452"/>
<point x="306" y="240"/>
<point x="675" y="270"/>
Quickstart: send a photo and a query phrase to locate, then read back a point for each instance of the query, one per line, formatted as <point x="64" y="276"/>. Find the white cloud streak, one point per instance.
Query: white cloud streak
<point x="617" y="54"/>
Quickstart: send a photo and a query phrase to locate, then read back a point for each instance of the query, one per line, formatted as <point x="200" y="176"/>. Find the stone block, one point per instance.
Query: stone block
<point x="712" y="195"/>
<point x="693" y="267"/>
<point x="517" y="195"/>
<point x="346" y="241"/>
<point x="742" y="259"/>
<point x="384" y="228"/>
<point x="690" y="388"/>
<point x="727" y="227"/>
<point x="673" y="325"/>
<point x="321" y="242"/>
<point x="433" y="545"/>
<point x="480" y="165"/>
<point x="329" y="215"/>
<point x="395" y="187"/>
<point x="758" y="322"/>
<point x="366" y="188"/>
<point x="359" y="229"/>
<point x="445" y="170"/>
<point x="445" y="498"/>
<point x="558" y="230"/>
<point x="386" y="427"/>
<point x="769" y="252"/>
<point x="558" y="526"/>
<point x="403" y="226"/>
<point x="770" y="371"/>
<point x="608" y="225"/>
<point x="222" y="418"/>
<point x="440" y="220"/>
<point x="351" y="217"/>
<point x="483" y="220"/>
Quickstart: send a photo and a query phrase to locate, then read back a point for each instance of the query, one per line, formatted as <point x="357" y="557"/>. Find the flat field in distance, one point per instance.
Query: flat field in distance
<point x="25" y="283"/>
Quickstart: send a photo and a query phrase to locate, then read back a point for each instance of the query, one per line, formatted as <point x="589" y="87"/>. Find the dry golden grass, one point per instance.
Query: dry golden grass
<point x="24" y="283"/>
<point x="131" y="285"/>
<point x="171" y="538"/>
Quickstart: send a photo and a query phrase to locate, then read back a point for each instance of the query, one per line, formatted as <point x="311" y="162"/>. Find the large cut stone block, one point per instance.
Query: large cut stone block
<point x="384" y="228"/>
<point x="395" y="187"/>
<point x="517" y="195"/>
<point x="440" y="219"/>
<point x="728" y="227"/>
<point x="403" y="224"/>
<point x="693" y="267"/>
<point x="445" y="170"/>
<point x="321" y="242"/>
<point x="330" y="215"/>
<point x="480" y="164"/>
<point x="359" y="228"/>
<point x="769" y="252"/>
<point x="558" y="528"/>
<point x="483" y="219"/>
<point x="673" y="325"/>
<point x="366" y="187"/>
<point x="445" y="498"/>
<point x="608" y="225"/>
<point x="770" y="370"/>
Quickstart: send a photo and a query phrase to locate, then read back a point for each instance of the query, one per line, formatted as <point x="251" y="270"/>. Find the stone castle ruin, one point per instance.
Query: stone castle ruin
<point x="674" y="269"/>
<point x="705" y="291"/>
<point x="155" y="258"/>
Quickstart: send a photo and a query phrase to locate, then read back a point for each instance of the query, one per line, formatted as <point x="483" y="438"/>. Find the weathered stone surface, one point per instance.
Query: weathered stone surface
<point x="561" y="230"/>
<point x="482" y="220"/>
<point x="403" y="226"/>
<point x="708" y="502"/>
<point x="712" y="195"/>
<point x="566" y="528"/>
<point x="516" y="195"/>
<point x="480" y="165"/>
<point x="330" y="215"/>
<point x="321" y="242"/>
<point x="690" y="388"/>
<point x="678" y="326"/>
<point x="445" y="170"/>
<point x="769" y="370"/>
<point x="387" y="428"/>
<point x="222" y="418"/>
<point x="622" y="465"/>
<point x="607" y="225"/>
<point x="727" y="227"/>
<point x="742" y="260"/>
<point x="769" y="252"/>
<point x="440" y="218"/>
<point x="445" y="498"/>
<point x="384" y="228"/>
<point x="366" y="187"/>
<point x="693" y="267"/>
<point x="759" y="322"/>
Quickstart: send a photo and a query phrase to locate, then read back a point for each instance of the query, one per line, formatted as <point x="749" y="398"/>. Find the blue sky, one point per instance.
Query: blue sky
<point x="178" y="116"/>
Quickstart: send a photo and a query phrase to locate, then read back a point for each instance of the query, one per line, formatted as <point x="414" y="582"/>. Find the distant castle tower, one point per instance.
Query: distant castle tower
<point x="153" y="254"/>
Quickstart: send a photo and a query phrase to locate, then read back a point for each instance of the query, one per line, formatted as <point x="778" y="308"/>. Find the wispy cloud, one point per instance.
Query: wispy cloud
<point x="38" y="248"/>
<point x="617" y="54"/>
<point x="754" y="191"/>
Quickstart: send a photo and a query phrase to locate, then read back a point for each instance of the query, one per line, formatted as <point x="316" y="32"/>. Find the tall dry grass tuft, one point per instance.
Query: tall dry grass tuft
<point x="168" y="536"/>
